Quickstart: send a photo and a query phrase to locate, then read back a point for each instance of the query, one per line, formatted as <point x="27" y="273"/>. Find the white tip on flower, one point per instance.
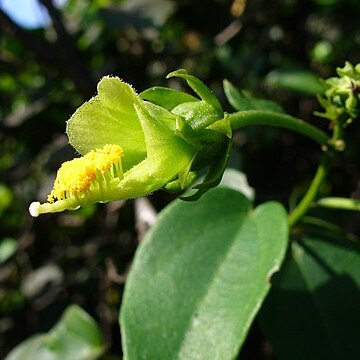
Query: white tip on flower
<point x="34" y="209"/>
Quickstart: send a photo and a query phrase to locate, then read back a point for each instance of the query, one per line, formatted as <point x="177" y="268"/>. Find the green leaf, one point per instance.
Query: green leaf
<point x="295" y="80"/>
<point x="200" y="89"/>
<point x="236" y="180"/>
<point x="200" y="276"/>
<point x="312" y="311"/>
<point x="75" y="337"/>
<point x="6" y="198"/>
<point x="240" y="102"/>
<point x="166" y="97"/>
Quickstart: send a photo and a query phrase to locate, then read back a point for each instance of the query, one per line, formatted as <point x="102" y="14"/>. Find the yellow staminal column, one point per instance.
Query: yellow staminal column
<point x="83" y="181"/>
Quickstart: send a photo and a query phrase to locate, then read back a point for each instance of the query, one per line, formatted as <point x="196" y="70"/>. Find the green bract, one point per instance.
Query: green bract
<point x="341" y="100"/>
<point x="136" y="144"/>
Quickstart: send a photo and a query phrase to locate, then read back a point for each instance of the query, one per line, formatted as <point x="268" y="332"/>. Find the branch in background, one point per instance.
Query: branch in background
<point x="47" y="54"/>
<point x="69" y="54"/>
<point x="57" y="21"/>
<point x="145" y="215"/>
<point x="228" y="33"/>
<point x="43" y="52"/>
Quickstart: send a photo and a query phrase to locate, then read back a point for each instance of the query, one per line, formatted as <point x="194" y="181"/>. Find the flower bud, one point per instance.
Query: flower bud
<point x="341" y="100"/>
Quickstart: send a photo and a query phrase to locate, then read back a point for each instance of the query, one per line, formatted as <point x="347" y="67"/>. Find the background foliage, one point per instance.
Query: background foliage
<point x="267" y="47"/>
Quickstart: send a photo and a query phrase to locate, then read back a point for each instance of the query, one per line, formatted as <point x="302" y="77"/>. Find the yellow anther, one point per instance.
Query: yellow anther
<point x="77" y="176"/>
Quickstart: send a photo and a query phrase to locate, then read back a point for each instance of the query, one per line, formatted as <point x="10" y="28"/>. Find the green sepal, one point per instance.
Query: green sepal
<point x="177" y="185"/>
<point x="199" y="115"/>
<point x="213" y="176"/>
<point x="208" y="143"/>
<point x="223" y="126"/>
<point x="240" y="101"/>
<point x="159" y="137"/>
<point x="184" y="173"/>
<point x="166" y="97"/>
<point x="213" y="145"/>
<point x="200" y="89"/>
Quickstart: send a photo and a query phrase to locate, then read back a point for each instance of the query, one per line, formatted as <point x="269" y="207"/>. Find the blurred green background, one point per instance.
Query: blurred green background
<point x="274" y="49"/>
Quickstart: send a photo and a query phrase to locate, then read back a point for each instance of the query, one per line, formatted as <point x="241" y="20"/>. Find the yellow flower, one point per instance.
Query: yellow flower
<point x="133" y="146"/>
<point x="84" y="180"/>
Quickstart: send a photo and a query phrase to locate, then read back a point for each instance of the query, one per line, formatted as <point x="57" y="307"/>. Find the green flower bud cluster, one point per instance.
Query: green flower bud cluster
<point x="341" y="99"/>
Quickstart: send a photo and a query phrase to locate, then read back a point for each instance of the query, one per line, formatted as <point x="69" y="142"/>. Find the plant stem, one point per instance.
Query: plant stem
<point x="311" y="193"/>
<point x="269" y="118"/>
<point x="340" y="203"/>
<point x="321" y="173"/>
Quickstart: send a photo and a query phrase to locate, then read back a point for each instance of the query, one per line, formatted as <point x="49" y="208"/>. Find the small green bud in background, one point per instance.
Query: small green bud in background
<point x="322" y="52"/>
<point x="341" y="99"/>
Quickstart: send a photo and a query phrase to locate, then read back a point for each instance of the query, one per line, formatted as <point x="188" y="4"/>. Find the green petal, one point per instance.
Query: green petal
<point x="109" y="118"/>
<point x="151" y="174"/>
<point x="117" y="95"/>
